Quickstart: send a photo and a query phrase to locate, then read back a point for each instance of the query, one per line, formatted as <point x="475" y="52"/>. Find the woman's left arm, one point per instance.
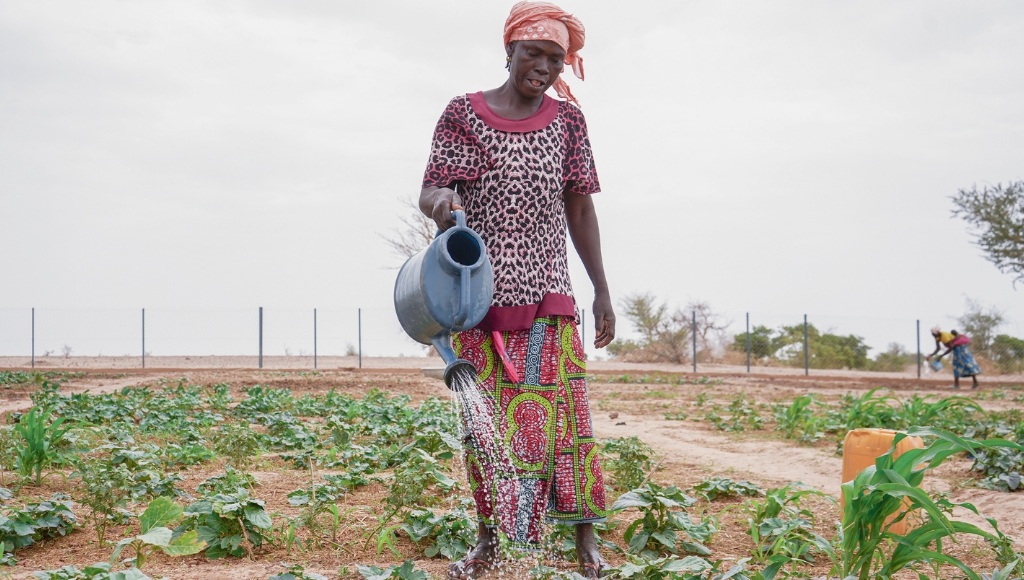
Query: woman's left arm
<point x="586" y="237"/>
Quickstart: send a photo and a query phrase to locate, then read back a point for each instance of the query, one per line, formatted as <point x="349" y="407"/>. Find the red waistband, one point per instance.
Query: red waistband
<point x="522" y="317"/>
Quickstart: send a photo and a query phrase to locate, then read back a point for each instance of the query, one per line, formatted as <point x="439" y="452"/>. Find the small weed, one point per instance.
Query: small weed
<point x="716" y="487"/>
<point x="630" y="461"/>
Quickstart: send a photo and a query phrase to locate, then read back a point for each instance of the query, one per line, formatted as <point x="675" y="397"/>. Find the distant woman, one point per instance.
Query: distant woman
<point x="520" y="164"/>
<point x="963" y="361"/>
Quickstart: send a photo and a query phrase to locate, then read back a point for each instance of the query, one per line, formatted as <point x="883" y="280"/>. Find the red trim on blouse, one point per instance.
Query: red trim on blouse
<point x="522" y="317"/>
<point x="542" y="118"/>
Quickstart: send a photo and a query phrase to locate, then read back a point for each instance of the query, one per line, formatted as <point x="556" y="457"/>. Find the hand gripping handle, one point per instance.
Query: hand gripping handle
<point x="460" y="221"/>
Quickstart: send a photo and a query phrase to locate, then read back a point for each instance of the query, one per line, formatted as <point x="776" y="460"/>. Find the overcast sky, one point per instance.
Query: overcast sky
<point x="780" y="158"/>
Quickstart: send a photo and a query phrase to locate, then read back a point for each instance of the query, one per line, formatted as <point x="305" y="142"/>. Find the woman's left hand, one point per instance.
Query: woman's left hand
<point x="604" y="318"/>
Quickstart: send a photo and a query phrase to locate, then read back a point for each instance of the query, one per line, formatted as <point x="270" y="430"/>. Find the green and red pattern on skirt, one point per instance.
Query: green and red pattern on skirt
<point x="545" y="424"/>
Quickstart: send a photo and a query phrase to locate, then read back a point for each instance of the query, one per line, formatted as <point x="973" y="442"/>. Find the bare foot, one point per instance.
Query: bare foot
<point x="588" y="555"/>
<point x="480" y="559"/>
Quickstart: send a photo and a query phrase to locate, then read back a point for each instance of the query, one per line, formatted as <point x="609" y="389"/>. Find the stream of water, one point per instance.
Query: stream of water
<point x="479" y="430"/>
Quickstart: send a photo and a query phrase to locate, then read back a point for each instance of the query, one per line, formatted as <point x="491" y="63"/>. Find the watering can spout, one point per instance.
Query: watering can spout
<point x="443" y="344"/>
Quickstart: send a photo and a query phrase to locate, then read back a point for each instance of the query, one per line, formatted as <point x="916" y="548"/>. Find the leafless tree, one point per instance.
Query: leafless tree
<point x="710" y="329"/>
<point x="416" y="232"/>
<point x="663" y="334"/>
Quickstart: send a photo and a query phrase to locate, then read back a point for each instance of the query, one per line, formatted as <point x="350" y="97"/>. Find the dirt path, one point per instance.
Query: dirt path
<point x="686" y="443"/>
<point x="779" y="462"/>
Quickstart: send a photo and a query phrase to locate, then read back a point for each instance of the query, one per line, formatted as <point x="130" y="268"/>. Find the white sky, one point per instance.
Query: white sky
<point x="777" y="158"/>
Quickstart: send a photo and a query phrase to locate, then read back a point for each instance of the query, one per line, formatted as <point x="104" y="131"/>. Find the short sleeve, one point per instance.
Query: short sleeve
<point x="455" y="152"/>
<point x="578" y="160"/>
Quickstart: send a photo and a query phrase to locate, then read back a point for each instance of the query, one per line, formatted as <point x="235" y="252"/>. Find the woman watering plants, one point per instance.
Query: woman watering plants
<point x="519" y="163"/>
<point x="963" y="361"/>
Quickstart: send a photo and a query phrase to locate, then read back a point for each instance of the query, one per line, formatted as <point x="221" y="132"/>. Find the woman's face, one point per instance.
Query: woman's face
<point x="534" y="67"/>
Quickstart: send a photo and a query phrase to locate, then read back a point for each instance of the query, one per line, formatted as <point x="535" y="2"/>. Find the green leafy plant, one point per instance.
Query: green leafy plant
<point x="105" y="490"/>
<point x="798" y="420"/>
<point x="740" y="416"/>
<point x="175" y="455"/>
<point x="146" y="479"/>
<point x="225" y="521"/>
<point x="156" y="533"/>
<point x="629" y="459"/>
<point x="40" y="438"/>
<point x="406" y="571"/>
<point x="867" y="549"/>
<point x="1002" y="468"/>
<point x="1005" y="574"/>
<point x="449" y="534"/>
<point x="781" y="540"/>
<point x="7" y="451"/>
<point x="239" y="443"/>
<point x="228" y="482"/>
<point x="661" y="521"/>
<point x="297" y="572"/>
<point x="217" y="396"/>
<point x="98" y="571"/>
<point x="716" y="487"/>
<point x="412" y="482"/>
<point x="783" y="502"/>
<point x="22" y="527"/>
<point x="665" y="568"/>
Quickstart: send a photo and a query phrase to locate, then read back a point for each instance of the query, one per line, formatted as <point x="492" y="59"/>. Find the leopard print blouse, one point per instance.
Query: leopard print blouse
<point x="511" y="175"/>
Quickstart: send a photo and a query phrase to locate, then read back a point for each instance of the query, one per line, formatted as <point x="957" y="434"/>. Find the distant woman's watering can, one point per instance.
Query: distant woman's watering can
<point x="445" y="288"/>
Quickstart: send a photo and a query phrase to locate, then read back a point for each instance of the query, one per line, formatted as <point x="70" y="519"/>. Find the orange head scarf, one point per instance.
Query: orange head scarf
<point x="545" y="21"/>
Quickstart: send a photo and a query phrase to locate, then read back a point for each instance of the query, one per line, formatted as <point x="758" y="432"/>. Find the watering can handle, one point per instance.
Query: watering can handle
<point x="460" y="220"/>
<point x="464" y="296"/>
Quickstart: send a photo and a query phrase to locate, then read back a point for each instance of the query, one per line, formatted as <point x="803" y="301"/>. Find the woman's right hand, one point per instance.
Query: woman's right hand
<point x="445" y="202"/>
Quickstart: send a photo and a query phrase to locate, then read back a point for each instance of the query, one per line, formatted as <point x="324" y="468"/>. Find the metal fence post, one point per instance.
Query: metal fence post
<point x="261" y="337"/>
<point x="807" y="355"/>
<point x="33" y="337"/>
<point x="918" y="349"/>
<point x="314" y="339"/>
<point x="359" y="330"/>
<point x="694" y="331"/>
<point x="748" y="342"/>
<point x="143" y="338"/>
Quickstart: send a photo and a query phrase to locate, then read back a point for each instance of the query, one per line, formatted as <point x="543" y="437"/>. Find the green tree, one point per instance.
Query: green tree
<point x="980" y="324"/>
<point x="826" y="351"/>
<point x="996" y="214"/>
<point x="894" y="359"/>
<point x="1008" y="353"/>
<point x="761" y="344"/>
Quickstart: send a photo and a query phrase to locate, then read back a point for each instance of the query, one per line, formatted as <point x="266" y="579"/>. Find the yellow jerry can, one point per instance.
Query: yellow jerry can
<point x="862" y="447"/>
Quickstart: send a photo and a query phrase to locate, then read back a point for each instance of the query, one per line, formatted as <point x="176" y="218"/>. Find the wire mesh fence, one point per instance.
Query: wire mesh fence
<point x="351" y="337"/>
<point x="228" y="336"/>
<point x="811" y="344"/>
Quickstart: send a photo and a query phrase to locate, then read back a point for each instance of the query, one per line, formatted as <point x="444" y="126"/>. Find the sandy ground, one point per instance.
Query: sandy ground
<point x="688" y="451"/>
<point x="351" y="362"/>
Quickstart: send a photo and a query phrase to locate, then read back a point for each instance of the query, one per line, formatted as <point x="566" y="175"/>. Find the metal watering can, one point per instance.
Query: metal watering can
<point x="445" y="288"/>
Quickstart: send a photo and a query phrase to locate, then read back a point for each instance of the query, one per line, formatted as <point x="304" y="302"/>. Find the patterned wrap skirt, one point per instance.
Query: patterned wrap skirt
<point x="544" y="423"/>
<point x="964" y="364"/>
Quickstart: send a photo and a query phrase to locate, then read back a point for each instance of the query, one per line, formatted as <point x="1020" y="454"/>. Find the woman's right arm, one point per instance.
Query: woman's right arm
<point x="438" y="203"/>
<point x="938" y="347"/>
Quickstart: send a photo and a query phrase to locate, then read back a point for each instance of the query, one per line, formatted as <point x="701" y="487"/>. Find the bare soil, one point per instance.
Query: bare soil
<point x="689" y="451"/>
